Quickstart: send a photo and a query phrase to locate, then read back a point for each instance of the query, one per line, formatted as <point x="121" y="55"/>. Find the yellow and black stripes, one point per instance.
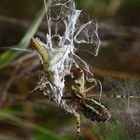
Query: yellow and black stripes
<point x="94" y="110"/>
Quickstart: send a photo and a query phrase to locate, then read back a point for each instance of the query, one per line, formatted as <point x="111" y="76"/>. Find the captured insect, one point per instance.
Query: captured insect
<point x="74" y="99"/>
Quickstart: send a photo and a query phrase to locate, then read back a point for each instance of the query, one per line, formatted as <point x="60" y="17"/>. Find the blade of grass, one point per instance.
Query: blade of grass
<point x="10" y="118"/>
<point x="8" y="57"/>
<point x="3" y="137"/>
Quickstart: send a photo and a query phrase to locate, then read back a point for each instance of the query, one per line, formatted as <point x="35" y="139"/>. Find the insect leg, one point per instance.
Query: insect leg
<point x="40" y="81"/>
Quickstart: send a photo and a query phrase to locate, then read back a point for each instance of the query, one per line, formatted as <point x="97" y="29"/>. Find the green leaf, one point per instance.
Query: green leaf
<point x="8" y="57"/>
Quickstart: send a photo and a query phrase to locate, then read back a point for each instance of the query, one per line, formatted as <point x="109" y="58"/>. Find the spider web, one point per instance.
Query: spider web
<point x="128" y="108"/>
<point x="65" y="28"/>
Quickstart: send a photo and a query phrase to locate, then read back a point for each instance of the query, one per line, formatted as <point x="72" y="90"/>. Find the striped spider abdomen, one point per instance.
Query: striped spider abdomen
<point x="94" y="110"/>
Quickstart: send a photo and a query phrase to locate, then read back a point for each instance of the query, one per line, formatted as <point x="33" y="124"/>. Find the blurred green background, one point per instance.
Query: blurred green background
<point x="31" y="116"/>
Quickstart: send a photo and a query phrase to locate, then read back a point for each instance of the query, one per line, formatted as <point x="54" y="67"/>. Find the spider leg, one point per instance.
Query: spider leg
<point x="91" y="87"/>
<point x="78" y="126"/>
<point x="67" y="97"/>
